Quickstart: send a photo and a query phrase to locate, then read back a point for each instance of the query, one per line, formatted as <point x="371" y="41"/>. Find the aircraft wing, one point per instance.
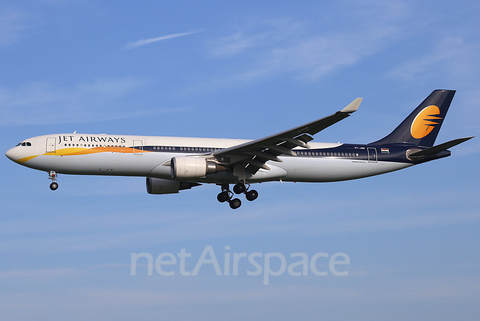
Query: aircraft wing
<point x="253" y="155"/>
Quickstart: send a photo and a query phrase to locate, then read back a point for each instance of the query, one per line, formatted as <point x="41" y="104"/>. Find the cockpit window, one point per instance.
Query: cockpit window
<point x="24" y="144"/>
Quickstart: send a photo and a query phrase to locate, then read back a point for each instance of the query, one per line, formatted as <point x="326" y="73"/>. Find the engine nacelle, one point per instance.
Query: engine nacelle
<point x="165" y="186"/>
<point x="193" y="167"/>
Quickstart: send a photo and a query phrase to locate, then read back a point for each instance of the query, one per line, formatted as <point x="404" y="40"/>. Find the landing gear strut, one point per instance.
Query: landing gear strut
<point x="53" y="176"/>
<point x="226" y="195"/>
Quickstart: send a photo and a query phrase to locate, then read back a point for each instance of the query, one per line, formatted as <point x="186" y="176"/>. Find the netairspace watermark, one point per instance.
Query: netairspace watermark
<point x="274" y="264"/>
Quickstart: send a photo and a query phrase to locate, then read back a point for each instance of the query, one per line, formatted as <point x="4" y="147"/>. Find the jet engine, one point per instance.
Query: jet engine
<point x="165" y="186"/>
<point x="193" y="167"/>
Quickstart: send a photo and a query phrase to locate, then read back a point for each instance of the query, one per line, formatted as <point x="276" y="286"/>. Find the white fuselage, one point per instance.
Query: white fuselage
<point x="149" y="156"/>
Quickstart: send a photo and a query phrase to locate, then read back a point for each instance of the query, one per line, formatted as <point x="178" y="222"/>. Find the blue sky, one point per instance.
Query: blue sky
<point x="238" y="70"/>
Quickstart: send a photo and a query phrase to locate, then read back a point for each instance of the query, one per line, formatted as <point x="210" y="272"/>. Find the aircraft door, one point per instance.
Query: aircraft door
<point x="51" y="145"/>
<point x="137" y="147"/>
<point x="372" y="154"/>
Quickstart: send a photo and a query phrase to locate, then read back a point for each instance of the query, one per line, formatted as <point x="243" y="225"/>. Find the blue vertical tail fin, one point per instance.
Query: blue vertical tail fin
<point x="421" y="127"/>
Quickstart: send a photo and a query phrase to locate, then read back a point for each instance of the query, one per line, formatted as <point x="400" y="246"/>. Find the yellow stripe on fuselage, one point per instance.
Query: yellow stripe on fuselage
<point x="94" y="150"/>
<point x="83" y="151"/>
<point x="23" y="160"/>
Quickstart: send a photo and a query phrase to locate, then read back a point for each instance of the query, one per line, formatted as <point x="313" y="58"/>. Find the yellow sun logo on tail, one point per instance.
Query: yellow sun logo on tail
<point x="425" y="122"/>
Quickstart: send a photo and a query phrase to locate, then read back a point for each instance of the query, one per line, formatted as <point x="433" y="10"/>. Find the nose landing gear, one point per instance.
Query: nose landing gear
<point x="53" y="176"/>
<point x="226" y="195"/>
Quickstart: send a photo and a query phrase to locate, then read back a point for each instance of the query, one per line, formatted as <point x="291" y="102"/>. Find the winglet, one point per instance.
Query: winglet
<point x="353" y="106"/>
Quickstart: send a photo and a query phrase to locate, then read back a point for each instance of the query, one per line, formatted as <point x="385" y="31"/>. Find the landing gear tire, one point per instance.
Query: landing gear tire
<point x="239" y="188"/>
<point x="251" y="195"/>
<point x="53" y="176"/>
<point x="235" y="203"/>
<point x="226" y="195"/>
<point x="223" y="197"/>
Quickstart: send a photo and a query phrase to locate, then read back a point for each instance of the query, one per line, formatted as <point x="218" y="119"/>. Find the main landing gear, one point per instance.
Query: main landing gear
<point x="53" y="176"/>
<point x="226" y="195"/>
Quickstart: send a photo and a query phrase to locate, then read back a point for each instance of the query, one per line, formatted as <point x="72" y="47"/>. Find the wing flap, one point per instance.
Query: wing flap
<point x="258" y="152"/>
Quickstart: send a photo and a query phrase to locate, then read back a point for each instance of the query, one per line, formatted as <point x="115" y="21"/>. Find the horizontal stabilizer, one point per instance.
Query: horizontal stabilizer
<point x="439" y="148"/>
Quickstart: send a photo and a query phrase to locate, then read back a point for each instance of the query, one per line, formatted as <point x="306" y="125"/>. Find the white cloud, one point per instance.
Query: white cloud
<point x="269" y="48"/>
<point x="140" y="226"/>
<point x="144" y="42"/>
<point x="235" y="44"/>
<point x="47" y="103"/>
<point x="450" y="55"/>
<point x="12" y="24"/>
<point x="40" y="275"/>
<point x="259" y="34"/>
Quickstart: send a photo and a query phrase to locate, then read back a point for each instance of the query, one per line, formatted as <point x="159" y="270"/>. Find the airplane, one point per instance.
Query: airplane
<point x="172" y="164"/>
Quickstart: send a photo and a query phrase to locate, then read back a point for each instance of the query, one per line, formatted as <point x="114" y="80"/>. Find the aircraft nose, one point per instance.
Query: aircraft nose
<point x="9" y="154"/>
<point x="13" y="154"/>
